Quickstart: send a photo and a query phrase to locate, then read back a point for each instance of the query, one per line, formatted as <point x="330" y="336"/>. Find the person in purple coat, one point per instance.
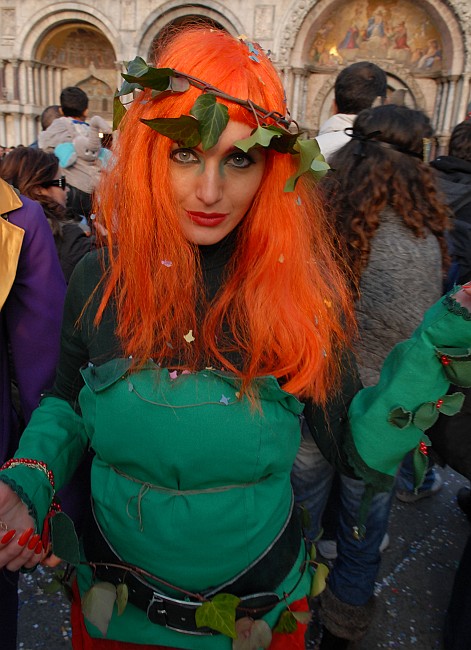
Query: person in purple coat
<point x="32" y="292"/>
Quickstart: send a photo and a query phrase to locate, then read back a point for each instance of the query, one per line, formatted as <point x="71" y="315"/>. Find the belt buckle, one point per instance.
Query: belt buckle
<point x="156" y="611"/>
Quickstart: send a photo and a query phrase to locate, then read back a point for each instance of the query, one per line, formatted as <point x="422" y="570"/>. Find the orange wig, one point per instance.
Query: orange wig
<point x="285" y="301"/>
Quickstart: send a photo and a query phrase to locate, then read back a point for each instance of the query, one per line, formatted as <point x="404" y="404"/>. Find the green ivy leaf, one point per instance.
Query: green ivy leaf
<point x="287" y="624"/>
<point x="97" y="605"/>
<point x="319" y="580"/>
<point x="145" y="76"/>
<point x="212" y="117"/>
<point x="251" y="635"/>
<point x="261" y="136"/>
<point x="118" y="111"/>
<point x="183" y="129"/>
<point x="53" y="587"/>
<point x="122" y="593"/>
<point x="65" y="542"/>
<point x="426" y="415"/>
<point x="400" y="417"/>
<point x="219" y="614"/>
<point x="452" y="404"/>
<point x="309" y="153"/>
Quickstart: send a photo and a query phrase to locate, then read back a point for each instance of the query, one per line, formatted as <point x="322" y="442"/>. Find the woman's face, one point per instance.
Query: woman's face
<point x="215" y="188"/>
<point x="56" y="193"/>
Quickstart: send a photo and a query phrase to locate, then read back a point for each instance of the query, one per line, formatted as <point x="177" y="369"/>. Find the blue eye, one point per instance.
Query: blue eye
<point x="240" y="160"/>
<point x="184" y="156"/>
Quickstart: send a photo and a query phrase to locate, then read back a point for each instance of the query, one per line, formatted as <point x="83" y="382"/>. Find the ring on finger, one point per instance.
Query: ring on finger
<point x="3" y="526"/>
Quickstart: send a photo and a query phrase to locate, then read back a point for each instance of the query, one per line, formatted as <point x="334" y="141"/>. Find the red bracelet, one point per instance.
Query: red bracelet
<point x="34" y="464"/>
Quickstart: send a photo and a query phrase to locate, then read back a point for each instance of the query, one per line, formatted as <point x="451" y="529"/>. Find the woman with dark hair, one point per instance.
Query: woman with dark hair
<point x="36" y="174"/>
<point x="392" y="223"/>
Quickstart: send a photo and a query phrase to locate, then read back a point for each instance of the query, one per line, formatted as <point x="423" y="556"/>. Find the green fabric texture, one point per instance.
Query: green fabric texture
<point x="388" y="420"/>
<point x="190" y="481"/>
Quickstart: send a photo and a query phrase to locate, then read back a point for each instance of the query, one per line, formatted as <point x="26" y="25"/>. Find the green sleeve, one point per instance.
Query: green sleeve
<point x="389" y="419"/>
<point x="56" y="436"/>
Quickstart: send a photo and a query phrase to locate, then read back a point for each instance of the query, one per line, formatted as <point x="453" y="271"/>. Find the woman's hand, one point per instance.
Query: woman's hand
<point x="19" y="545"/>
<point x="463" y="296"/>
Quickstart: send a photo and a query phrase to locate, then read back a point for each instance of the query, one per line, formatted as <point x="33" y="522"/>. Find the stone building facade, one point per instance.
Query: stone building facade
<point x="424" y="46"/>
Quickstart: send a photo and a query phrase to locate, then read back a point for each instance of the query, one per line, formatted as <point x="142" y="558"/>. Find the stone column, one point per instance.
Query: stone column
<point x="17" y="129"/>
<point x="2" y="79"/>
<point x="30" y="82"/>
<point x="450" y="104"/>
<point x="297" y="92"/>
<point x="43" y="85"/>
<point x="442" y="99"/>
<point x="3" y="130"/>
<point x="16" y="81"/>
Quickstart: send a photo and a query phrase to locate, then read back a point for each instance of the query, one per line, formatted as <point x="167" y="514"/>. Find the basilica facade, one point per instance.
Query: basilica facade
<point x="423" y="45"/>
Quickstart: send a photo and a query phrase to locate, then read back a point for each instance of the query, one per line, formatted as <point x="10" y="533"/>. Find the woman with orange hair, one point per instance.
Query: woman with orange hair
<point x="189" y="344"/>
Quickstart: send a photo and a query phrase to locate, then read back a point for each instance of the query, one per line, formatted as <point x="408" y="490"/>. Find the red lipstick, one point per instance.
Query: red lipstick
<point x="207" y="219"/>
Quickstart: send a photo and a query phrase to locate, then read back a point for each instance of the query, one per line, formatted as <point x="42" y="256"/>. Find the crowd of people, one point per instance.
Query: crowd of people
<point x="215" y="352"/>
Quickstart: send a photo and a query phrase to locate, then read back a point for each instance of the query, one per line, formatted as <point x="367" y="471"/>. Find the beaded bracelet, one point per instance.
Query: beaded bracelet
<point x="34" y="464"/>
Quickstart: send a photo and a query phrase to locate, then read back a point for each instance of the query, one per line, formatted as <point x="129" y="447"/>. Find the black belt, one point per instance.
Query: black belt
<point x="259" y="580"/>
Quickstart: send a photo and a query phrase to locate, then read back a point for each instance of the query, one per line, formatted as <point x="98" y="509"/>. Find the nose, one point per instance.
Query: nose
<point x="209" y="186"/>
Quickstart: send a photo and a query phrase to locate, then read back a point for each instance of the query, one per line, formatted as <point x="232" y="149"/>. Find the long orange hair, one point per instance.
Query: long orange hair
<point x="285" y="302"/>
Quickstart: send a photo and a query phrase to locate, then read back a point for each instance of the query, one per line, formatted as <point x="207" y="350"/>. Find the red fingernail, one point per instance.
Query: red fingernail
<point x="25" y="536"/>
<point x="39" y="548"/>
<point x="33" y="541"/>
<point x="8" y="537"/>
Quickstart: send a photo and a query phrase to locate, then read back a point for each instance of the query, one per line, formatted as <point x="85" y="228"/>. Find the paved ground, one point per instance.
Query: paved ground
<point x="413" y="587"/>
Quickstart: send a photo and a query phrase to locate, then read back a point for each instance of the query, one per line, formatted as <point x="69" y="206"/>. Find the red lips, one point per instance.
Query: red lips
<point x="207" y="219"/>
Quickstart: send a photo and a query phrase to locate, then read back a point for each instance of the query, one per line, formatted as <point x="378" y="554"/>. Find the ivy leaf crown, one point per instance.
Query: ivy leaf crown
<point x="208" y="118"/>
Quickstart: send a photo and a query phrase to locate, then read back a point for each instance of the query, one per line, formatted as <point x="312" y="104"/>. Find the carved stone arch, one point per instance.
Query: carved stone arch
<point x="175" y="11"/>
<point x="34" y="29"/>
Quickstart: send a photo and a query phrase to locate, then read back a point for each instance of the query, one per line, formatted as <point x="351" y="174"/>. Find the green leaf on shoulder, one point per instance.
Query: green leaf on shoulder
<point x="212" y="117"/>
<point x="97" y="605"/>
<point x="65" y="542"/>
<point x="183" y="129"/>
<point x="219" y="614"/>
<point x="319" y="580"/>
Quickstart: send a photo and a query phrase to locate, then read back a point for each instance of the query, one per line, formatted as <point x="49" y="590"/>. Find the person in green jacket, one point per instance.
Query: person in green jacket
<point x="190" y="344"/>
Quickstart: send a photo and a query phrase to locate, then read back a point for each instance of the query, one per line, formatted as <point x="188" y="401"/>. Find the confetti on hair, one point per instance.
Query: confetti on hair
<point x="237" y="395"/>
<point x="327" y="303"/>
<point x="166" y="263"/>
<point x="281" y="259"/>
<point x="224" y="400"/>
<point x="189" y="338"/>
<point x="298" y="201"/>
<point x="186" y="372"/>
<point x="173" y="374"/>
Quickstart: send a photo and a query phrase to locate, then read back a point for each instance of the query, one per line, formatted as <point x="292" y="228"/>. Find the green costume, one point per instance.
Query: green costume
<point x="189" y="480"/>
